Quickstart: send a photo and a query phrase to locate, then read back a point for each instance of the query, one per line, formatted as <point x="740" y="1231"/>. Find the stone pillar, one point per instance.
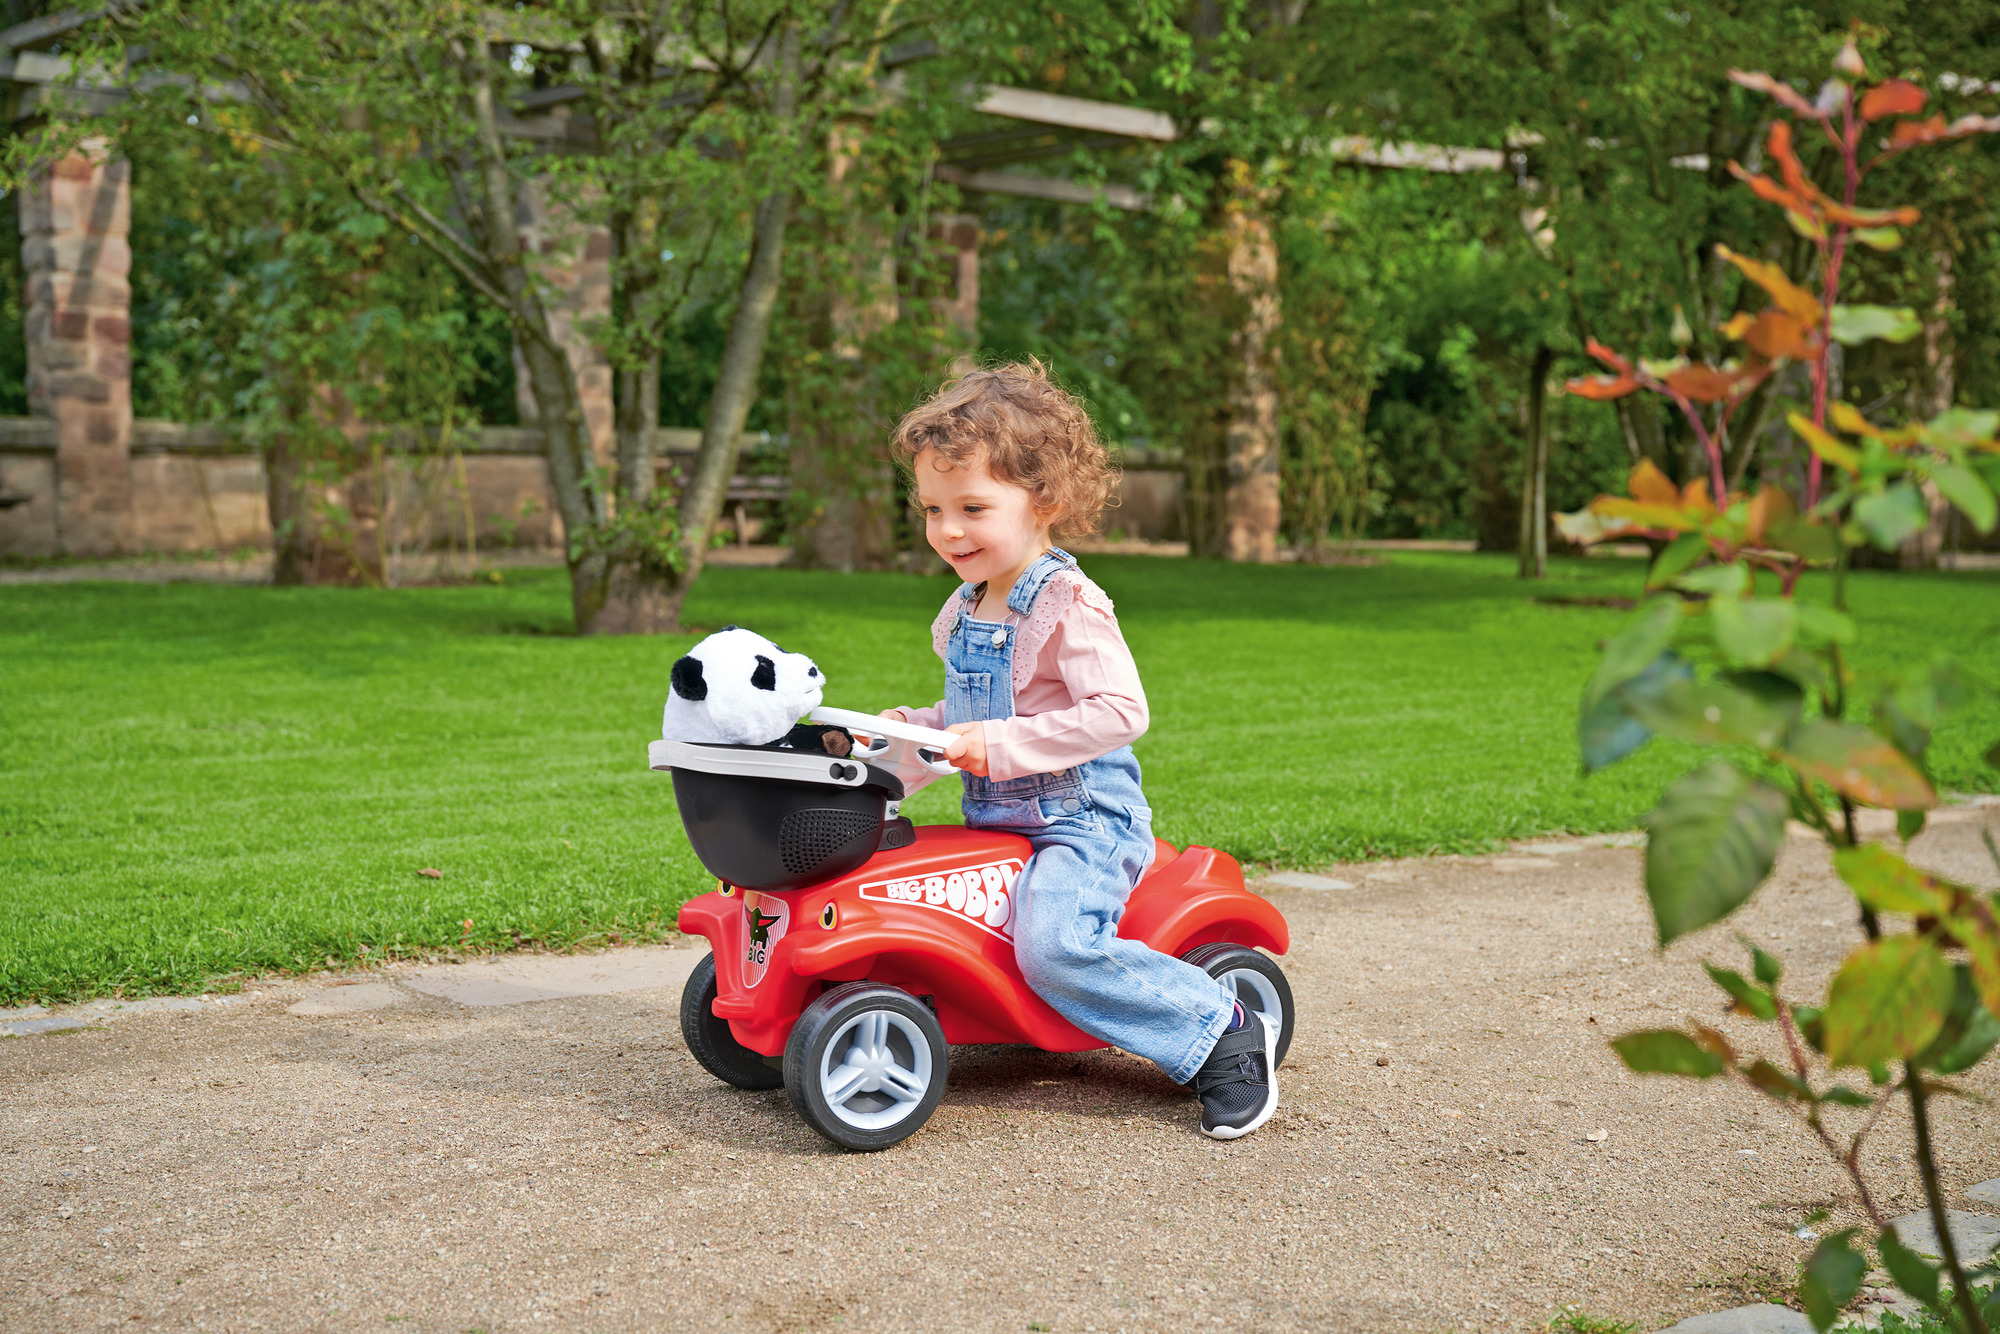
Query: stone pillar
<point x="574" y="260"/>
<point x="955" y="237"/>
<point x="75" y="258"/>
<point x="844" y="498"/>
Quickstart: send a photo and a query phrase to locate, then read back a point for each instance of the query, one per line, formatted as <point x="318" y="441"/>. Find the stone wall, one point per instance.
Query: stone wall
<point x="196" y="489"/>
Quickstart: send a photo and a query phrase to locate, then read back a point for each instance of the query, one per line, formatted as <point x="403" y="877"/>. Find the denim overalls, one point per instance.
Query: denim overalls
<point x="1093" y="837"/>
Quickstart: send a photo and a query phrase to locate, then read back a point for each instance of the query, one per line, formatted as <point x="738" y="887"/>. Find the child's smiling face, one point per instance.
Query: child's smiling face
<point x="988" y="530"/>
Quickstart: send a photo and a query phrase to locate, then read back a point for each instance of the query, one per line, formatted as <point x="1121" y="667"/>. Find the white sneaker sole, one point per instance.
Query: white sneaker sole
<point x="1271" y="1102"/>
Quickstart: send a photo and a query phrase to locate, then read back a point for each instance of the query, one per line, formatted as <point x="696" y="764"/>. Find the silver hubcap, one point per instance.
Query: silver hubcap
<point x="1255" y="991"/>
<point x="875" y="1070"/>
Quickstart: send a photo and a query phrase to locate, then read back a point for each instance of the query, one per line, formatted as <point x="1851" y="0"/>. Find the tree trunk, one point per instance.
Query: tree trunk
<point x="742" y="353"/>
<point x="841" y="510"/>
<point x="324" y="503"/>
<point x="1534" y="549"/>
<point x="1937" y="387"/>
<point x="636" y="390"/>
<point x="1251" y="508"/>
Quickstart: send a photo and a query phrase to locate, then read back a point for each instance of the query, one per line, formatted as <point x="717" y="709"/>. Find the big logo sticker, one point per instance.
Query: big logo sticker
<point x="981" y="895"/>
<point x="766" y="917"/>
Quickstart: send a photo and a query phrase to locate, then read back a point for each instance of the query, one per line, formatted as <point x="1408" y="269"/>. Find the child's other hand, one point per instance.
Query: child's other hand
<point x="969" y="751"/>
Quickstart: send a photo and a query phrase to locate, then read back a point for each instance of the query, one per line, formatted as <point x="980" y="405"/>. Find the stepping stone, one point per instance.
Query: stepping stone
<point x="1629" y="839"/>
<point x="1521" y="863"/>
<point x="1977" y="1235"/>
<point x="1763" y="1318"/>
<point x="1550" y="849"/>
<point x="48" y="1023"/>
<point x="518" y="979"/>
<point x="1986" y="1192"/>
<point x="360" y="998"/>
<point x="109" y="1009"/>
<point x="1305" y="880"/>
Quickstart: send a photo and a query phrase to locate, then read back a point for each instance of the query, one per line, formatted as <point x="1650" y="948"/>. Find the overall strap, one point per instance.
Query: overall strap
<point x="1021" y="598"/>
<point x="1061" y="585"/>
<point x="947" y="617"/>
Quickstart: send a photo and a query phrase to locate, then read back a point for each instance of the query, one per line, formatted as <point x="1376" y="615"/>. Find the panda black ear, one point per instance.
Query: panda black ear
<point x="727" y="628"/>
<point x="688" y="680"/>
<point x="766" y="675"/>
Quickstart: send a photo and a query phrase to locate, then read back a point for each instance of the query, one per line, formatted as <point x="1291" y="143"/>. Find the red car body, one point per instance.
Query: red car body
<point x="933" y="918"/>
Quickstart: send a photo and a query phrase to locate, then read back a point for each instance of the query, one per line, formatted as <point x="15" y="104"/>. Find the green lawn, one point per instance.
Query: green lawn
<point x="204" y="781"/>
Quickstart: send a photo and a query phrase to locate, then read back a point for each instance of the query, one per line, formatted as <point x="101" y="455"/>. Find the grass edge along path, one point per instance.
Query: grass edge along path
<point x="205" y="783"/>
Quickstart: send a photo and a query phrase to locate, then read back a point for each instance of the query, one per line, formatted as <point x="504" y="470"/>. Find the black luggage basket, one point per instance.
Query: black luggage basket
<point x="769" y="819"/>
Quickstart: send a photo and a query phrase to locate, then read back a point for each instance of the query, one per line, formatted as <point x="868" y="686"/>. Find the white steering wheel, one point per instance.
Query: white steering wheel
<point x="903" y="748"/>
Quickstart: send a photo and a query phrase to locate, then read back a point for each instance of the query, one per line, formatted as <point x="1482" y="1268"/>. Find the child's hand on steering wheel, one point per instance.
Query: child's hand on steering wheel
<point x="969" y="751"/>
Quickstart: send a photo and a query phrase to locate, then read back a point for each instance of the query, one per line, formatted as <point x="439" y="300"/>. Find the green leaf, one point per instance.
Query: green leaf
<point x="1765" y="966"/>
<point x="1776" y="1082"/>
<point x="1832" y="1278"/>
<point x="1906" y="715"/>
<point x="1666" y="1051"/>
<point x="1970" y="1030"/>
<point x="1677" y="556"/>
<point x="1878" y="238"/>
<point x="1967" y="490"/>
<point x="1977" y="931"/>
<point x="1609" y="728"/>
<point x="1718" y="712"/>
<point x="1913" y="1274"/>
<point x="1825" y="624"/>
<point x="1888" y="1001"/>
<point x="1728" y="581"/>
<point x="1808" y="671"/>
<point x="1812" y="542"/>
<point x="1750" y="999"/>
<point x="1711" y="842"/>
<point x="1751" y="632"/>
<point x="1861" y="324"/>
<point x="1842" y="1096"/>
<point x="1887" y="883"/>
<point x="1892" y="515"/>
<point x="1909" y="824"/>
<point x="1635" y="647"/>
<point x="1857" y="762"/>
<point x="1963" y="426"/>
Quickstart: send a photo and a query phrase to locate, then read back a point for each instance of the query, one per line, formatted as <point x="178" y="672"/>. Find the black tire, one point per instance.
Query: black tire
<point x="712" y="1044"/>
<point x="913" y="1043"/>
<point x="1223" y="958"/>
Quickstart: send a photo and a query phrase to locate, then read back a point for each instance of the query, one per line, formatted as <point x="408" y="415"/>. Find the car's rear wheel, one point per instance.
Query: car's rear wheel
<point x="1254" y="979"/>
<point x="711" y="1043"/>
<point x="866" y="1065"/>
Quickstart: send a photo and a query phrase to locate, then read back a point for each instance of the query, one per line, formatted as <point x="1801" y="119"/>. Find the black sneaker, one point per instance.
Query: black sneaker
<point x="1238" y="1087"/>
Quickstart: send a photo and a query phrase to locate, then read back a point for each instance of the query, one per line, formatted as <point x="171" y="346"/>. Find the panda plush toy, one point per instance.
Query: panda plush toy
<point x="738" y="688"/>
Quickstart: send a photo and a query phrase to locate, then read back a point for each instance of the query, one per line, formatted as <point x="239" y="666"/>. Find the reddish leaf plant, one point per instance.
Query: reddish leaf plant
<point x="1910" y="1007"/>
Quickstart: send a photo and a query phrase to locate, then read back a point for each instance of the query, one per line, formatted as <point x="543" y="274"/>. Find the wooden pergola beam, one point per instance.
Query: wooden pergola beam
<point x="1044" y="187"/>
<point x="1075" y="113"/>
<point x="38" y="32"/>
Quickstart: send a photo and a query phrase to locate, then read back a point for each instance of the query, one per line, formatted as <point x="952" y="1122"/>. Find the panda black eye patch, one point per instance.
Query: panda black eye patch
<point x="766" y="675"/>
<point x="688" y="680"/>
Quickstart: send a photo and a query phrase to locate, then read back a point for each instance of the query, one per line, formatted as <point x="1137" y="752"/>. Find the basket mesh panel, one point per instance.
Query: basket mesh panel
<point x="807" y="838"/>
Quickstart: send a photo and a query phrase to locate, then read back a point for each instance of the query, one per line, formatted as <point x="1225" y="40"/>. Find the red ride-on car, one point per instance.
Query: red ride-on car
<point x="849" y="947"/>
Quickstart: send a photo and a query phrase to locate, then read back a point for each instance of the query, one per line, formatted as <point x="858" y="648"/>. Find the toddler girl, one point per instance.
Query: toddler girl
<point x="1046" y="701"/>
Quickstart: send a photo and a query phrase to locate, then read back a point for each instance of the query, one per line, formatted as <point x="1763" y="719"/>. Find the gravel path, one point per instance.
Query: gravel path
<point x="372" y="1151"/>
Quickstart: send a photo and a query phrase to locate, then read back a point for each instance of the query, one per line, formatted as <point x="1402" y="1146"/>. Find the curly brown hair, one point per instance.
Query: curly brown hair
<point x="1030" y="432"/>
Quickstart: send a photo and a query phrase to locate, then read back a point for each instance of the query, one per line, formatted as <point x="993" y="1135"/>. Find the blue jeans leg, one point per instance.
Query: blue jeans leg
<point x="1067" y="907"/>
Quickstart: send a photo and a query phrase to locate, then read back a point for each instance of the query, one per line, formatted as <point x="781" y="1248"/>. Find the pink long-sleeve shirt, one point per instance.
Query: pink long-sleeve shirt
<point x="1082" y="699"/>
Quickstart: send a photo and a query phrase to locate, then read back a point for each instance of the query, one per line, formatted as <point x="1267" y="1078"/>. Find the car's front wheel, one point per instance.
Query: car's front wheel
<point x="866" y="1065"/>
